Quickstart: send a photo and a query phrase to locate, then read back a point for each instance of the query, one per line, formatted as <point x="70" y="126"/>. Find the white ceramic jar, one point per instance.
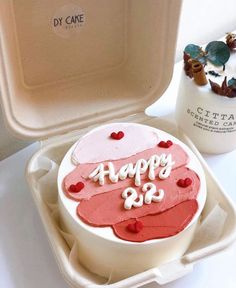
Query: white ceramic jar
<point x="207" y="118"/>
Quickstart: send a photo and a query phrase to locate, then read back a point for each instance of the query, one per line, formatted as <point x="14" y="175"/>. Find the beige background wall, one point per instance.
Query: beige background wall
<point x="201" y="21"/>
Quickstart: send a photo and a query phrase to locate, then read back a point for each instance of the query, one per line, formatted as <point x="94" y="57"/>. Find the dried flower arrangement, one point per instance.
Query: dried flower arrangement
<point x="217" y="53"/>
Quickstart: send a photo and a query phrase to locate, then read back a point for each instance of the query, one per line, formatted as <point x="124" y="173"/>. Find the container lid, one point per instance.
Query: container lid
<point x="65" y="65"/>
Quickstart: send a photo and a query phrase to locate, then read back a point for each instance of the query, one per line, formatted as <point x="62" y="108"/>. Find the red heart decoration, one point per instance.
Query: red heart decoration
<point x="75" y="188"/>
<point x="135" y="227"/>
<point x="181" y="183"/>
<point x="188" y="182"/>
<point x="117" y="136"/>
<point x="166" y="144"/>
<point x="184" y="182"/>
<point x="169" y="143"/>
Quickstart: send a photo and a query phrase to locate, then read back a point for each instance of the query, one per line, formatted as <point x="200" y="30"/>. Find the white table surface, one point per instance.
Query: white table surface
<point x="26" y="260"/>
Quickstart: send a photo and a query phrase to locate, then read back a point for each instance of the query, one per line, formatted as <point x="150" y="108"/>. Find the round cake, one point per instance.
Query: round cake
<point x="206" y="101"/>
<point x="132" y="196"/>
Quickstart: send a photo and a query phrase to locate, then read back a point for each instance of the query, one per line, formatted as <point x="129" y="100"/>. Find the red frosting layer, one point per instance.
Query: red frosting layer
<point x="108" y="208"/>
<point x="161" y="225"/>
<point x="81" y="172"/>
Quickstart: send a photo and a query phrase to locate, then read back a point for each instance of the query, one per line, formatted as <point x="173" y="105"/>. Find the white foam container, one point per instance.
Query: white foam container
<point x="74" y="273"/>
<point x="55" y="83"/>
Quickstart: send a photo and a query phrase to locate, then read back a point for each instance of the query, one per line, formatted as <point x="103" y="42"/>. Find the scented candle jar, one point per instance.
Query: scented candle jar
<point x="207" y="112"/>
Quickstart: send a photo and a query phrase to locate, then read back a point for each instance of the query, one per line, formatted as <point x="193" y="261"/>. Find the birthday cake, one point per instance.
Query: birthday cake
<point x="132" y="196"/>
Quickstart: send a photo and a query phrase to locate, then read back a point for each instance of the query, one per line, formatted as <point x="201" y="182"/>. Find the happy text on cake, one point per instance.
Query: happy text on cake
<point x="135" y="171"/>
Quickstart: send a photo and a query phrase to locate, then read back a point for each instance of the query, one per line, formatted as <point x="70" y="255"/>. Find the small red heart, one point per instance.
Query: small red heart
<point x="162" y="144"/>
<point x="135" y="227"/>
<point x="188" y="182"/>
<point x="117" y="136"/>
<point x="131" y="227"/>
<point x="76" y="188"/>
<point x="113" y="135"/>
<point x="181" y="183"/>
<point x="138" y="226"/>
<point x="169" y="143"/>
<point x="120" y="135"/>
<point x="166" y="144"/>
<point x="184" y="182"/>
<point x="72" y="188"/>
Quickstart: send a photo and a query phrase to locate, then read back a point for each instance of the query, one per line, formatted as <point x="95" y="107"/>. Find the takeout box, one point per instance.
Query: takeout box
<point x="67" y="66"/>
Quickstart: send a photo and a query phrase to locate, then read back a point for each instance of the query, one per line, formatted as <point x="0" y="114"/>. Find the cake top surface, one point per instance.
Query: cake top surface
<point x="122" y="181"/>
<point x="113" y="150"/>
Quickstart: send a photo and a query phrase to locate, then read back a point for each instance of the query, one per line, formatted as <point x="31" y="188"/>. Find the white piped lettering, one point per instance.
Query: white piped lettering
<point x="135" y="170"/>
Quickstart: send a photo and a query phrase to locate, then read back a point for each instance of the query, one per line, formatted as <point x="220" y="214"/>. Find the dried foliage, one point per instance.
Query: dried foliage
<point x="231" y="41"/>
<point x="223" y="89"/>
<point x="188" y="65"/>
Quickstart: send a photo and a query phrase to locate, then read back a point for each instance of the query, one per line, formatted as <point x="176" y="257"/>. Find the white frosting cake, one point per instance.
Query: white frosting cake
<point x="114" y="236"/>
